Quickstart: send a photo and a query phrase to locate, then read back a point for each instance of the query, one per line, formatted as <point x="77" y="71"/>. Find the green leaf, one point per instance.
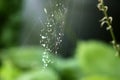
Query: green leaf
<point x="97" y="58"/>
<point x="8" y="71"/>
<point x="46" y="74"/>
<point x="67" y="68"/>
<point x="28" y="57"/>
<point x="98" y="77"/>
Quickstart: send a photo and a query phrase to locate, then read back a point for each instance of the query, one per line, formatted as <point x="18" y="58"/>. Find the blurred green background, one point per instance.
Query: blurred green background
<point x="21" y="55"/>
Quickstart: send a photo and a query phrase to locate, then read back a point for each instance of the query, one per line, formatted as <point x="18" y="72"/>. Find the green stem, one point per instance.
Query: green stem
<point x="108" y="23"/>
<point x="115" y="45"/>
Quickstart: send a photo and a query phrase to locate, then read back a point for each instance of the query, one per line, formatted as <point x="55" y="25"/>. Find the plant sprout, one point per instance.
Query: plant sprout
<point x="108" y="20"/>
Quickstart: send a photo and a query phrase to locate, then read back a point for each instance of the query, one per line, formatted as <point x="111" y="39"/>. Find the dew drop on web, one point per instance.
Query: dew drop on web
<point x="52" y="29"/>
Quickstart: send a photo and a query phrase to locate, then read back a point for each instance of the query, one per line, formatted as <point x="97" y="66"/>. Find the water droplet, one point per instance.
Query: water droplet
<point x="50" y="25"/>
<point x="60" y="4"/>
<point x="44" y="53"/>
<point x="43" y="45"/>
<point x="60" y="34"/>
<point x="45" y="10"/>
<point x="43" y="60"/>
<point x="49" y="50"/>
<point x="52" y="32"/>
<point x="46" y="65"/>
<point x="56" y="52"/>
<point x="60" y="40"/>
<point x="49" y="30"/>
<point x="43" y="37"/>
<point x="52" y="15"/>
<point x="56" y="4"/>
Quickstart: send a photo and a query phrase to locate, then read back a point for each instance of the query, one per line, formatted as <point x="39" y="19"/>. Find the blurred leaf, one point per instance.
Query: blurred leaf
<point x="8" y="71"/>
<point x="97" y="58"/>
<point x="46" y="74"/>
<point x="7" y="36"/>
<point x="10" y="32"/>
<point x="68" y="69"/>
<point x="11" y="6"/>
<point x="97" y="77"/>
<point x="28" y="57"/>
<point x="2" y="5"/>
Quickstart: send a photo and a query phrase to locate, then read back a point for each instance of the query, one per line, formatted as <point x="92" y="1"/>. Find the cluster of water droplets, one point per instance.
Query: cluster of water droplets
<point x="52" y="30"/>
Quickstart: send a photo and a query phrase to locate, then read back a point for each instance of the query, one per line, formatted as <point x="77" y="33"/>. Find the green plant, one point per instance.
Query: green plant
<point x="96" y="57"/>
<point x="108" y="20"/>
<point x="47" y="74"/>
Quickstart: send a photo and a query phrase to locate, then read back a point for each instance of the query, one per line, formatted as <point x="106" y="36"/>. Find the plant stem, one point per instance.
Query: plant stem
<point x="108" y="21"/>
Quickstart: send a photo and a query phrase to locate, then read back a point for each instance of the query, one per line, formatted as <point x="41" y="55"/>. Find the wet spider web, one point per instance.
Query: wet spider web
<point x="52" y="28"/>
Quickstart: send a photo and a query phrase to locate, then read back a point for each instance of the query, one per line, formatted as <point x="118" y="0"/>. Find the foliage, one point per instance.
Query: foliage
<point x="108" y="20"/>
<point x="47" y="74"/>
<point x="10" y="22"/>
<point x="94" y="60"/>
<point x="98" y="77"/>
<point x="97" y="58"/>
<point x="8" y="71"/>
<point x="68" y="69"/>
<point x="27" y="63"/>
